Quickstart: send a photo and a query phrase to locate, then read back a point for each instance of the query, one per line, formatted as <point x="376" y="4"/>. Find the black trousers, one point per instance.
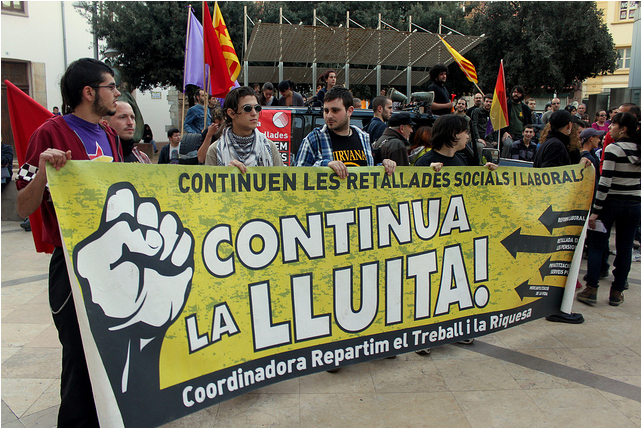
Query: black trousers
<point x="77" y="407"/>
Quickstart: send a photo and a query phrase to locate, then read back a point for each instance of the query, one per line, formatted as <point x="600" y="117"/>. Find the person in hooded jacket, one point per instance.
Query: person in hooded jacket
<point x="559" y="145"/>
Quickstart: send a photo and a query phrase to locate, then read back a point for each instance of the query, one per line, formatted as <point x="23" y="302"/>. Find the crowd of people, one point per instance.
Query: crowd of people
<point x="94" y="124"/>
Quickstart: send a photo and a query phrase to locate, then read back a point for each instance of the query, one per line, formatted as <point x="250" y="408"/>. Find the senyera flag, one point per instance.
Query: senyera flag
<point x="498" y="113"/>
<point x="26" y="116"/>
<point x="466" y="66"/>
<point x="233" y="64"/>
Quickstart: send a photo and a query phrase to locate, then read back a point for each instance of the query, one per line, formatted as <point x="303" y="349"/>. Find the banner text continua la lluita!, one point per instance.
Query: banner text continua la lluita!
<point x="198" y="284"/>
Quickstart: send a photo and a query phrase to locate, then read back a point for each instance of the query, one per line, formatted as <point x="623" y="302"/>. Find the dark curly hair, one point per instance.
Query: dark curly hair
<point x="436" y="70"/>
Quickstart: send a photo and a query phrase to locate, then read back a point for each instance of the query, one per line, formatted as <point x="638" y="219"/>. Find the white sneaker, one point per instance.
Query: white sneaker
<point x="636" y="256"/>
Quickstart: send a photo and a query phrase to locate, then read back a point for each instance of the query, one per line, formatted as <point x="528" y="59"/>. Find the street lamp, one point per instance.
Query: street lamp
<point x="111" y="53"/>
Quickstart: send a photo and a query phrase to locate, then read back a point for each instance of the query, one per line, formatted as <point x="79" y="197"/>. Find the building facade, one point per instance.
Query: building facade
<point x="39" y="40"/>
<point x="619" y="17"/>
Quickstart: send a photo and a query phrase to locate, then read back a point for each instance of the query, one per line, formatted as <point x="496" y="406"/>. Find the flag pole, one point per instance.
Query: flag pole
<point x="498" y="144"/>
<point x="206" y="105"/>
<point x="182" y="118"/>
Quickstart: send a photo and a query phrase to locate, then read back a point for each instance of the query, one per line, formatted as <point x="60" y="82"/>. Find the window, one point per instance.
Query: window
<point x="627" y="10"/>
<point x="624" y="57"/>
<point x="14" y="7"/>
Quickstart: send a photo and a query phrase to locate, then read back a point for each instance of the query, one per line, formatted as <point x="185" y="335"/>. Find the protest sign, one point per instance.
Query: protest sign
<point x="198" y="284"/>
<point x="277" y="126"/>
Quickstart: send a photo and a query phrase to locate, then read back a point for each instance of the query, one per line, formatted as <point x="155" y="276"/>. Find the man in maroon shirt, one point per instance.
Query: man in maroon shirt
<point x="89" y="92"/>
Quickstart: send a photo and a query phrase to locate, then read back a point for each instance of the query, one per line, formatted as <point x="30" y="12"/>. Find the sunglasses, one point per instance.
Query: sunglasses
<point x="247" y="108"/>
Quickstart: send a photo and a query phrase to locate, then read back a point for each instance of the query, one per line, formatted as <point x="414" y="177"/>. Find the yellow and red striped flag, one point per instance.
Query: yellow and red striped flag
<point x="233" y="64"/>
<point x="464" y="64"/>
<point x="498" y="114"/>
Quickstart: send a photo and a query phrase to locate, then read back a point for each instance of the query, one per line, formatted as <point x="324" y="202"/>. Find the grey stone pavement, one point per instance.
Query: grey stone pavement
<point x="537" y="374"/>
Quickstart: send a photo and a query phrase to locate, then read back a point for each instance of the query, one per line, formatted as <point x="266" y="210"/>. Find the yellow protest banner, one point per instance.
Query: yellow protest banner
<point x="198" y="284"/>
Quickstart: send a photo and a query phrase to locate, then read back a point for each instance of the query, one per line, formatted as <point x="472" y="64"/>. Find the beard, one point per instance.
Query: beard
<point x="339" y="126"/>
<point x="100" y="109"/>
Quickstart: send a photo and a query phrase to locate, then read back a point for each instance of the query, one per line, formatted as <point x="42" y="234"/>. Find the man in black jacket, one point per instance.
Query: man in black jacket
<point x="480" y="117"/>
<point x="394" y="143"/>
<point x="171" y="152"/>
<point x="382" y="107"/>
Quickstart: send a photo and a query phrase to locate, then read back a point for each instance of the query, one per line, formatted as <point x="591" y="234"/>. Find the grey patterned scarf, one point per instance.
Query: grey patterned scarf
<point x="251" y="151"/>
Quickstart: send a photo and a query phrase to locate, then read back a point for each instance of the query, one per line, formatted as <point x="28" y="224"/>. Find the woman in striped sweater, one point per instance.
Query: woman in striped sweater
<point x="617" y="201"/>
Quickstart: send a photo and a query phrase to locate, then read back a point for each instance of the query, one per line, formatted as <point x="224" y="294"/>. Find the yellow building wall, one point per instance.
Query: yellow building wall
<point x="621" y="31"/>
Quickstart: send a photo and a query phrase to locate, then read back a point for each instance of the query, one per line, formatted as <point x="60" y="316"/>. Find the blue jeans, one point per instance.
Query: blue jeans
<point x="626" y="215"/>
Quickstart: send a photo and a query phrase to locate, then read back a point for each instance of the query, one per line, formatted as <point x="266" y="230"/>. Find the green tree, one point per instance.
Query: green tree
<point x="151" y="35"/>
<point x="545" y="46"/>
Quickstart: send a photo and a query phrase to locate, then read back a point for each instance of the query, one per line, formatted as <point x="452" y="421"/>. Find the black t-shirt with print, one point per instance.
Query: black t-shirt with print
<point x="348" y="149"/>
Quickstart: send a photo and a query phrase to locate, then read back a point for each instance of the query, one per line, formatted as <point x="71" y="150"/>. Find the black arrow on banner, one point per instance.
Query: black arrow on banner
<point x="517" y="243"/>
<point x="557" y="268"/>
<point x="529" y="290"/>
<point x="554" y="219"/>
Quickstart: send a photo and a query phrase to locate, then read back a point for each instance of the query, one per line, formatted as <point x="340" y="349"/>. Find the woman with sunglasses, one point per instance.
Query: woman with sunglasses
<point x="241" y="144"/>
<point x="599" y="121"/>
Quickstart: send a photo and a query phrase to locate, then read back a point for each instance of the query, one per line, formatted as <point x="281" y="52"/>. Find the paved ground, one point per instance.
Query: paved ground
<point x="539" y="374"/>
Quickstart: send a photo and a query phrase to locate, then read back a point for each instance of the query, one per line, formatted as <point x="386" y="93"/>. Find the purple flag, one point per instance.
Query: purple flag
<point x="489" y="128"/>
<point x="194" y="53"/>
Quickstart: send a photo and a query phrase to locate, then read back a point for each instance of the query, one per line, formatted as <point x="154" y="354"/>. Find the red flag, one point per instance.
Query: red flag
<point x="498" y="113"/>
<point x="26" y="116"/>
<point x="225" y="44"/>
<point x="221" y="81"/>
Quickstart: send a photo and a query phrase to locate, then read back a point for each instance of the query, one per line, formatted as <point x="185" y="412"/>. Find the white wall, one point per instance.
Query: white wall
<point x="155" y="112"/>
<point x="39" y="38"/>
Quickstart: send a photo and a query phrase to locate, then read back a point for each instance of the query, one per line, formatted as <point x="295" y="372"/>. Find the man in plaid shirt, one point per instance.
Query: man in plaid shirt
<point x="337" y="144"/>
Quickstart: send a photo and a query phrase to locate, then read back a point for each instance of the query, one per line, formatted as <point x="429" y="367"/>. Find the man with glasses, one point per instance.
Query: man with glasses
<point x="556" y="105"/>
<point x="89" y="92"/>
<point x="241" y="144"/>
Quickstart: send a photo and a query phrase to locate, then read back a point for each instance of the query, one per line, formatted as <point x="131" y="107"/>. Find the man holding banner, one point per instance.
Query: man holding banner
<point x="89" y="92"/>
<point x="337" y="144"/>
<point x="241" y="144"/>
